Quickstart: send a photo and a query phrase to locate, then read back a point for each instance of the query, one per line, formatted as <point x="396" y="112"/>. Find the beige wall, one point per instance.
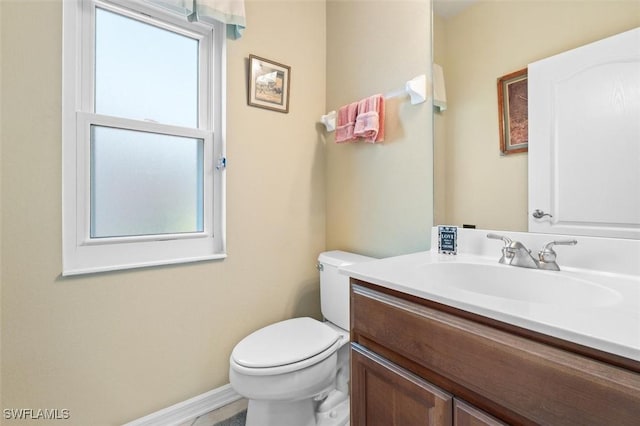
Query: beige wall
<point x="486" y="41"/>
<point x="1" y="404"/>
<point x="115" y="346"/>
<point x="439" y="129"/>
<point x="379" y="197"/>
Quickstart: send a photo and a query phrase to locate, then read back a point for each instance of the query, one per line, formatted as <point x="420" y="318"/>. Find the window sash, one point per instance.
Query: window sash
<point x="160" y="20"/>
<point x="83" y="178"/>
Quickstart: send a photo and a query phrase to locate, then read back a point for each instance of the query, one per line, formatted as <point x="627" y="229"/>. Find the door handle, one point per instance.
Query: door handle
<point x="539" y="214"/>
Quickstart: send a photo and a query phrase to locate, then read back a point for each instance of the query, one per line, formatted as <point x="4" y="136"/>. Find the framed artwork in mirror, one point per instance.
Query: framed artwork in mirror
<point x="269" y="84"/>
<point x="513" y="112"/>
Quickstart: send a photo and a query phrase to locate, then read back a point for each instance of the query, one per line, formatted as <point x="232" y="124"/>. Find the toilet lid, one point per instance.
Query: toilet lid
<point x="283" y="343"/>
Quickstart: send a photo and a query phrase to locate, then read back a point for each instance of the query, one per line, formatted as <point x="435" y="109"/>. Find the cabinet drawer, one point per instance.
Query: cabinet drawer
<point x="511" y="377"/>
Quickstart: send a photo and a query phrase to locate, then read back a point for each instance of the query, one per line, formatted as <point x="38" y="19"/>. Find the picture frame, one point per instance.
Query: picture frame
<point x="269" y="84"/>
<point x="513" y="112"/>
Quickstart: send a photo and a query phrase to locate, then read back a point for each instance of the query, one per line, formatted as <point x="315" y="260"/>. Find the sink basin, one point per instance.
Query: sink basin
<point x="519" y="284"/>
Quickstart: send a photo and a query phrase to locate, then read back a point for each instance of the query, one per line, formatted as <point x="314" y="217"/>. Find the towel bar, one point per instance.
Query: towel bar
<point x="416" y="88"/>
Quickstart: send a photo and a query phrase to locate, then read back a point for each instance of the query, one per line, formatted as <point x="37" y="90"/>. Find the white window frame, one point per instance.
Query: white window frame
<point x="81" y="253"/>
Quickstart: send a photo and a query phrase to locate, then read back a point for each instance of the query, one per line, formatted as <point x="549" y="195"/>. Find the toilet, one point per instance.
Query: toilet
<point x="296" y="372"/>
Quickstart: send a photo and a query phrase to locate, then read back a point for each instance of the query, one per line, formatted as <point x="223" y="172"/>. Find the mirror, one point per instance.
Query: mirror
<point x="476" y="42"/>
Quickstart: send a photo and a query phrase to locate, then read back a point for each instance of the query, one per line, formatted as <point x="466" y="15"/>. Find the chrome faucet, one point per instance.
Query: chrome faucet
<point x="516" y="254"/>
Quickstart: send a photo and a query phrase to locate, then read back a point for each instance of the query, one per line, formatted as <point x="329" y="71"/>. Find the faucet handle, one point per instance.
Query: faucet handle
<point x="548" y="254"/>
<point x="549" y="246"/>
<point x="507" y="241"/>
<point x="506" y="252"/>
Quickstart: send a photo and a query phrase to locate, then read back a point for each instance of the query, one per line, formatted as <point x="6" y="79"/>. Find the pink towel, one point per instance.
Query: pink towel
<point x="370" y="119"/>
<point x="346" y="122"/>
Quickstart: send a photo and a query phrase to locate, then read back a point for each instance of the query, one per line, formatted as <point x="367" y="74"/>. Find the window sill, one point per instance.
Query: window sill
<point x="92" y="270"/>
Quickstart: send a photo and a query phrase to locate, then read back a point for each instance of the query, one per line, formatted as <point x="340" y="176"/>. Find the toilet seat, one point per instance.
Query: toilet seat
<point x="285" y="346"/>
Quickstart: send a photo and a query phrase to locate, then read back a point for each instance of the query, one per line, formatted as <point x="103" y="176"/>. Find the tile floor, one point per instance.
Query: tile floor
<point x="224" y="416"/>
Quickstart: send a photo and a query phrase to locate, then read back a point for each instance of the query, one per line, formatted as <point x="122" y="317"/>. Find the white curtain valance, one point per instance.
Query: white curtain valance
<point x="230" y="12"/>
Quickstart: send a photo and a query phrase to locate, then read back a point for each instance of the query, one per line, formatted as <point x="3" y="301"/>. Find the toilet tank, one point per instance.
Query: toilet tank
<point x="334" y="286"/>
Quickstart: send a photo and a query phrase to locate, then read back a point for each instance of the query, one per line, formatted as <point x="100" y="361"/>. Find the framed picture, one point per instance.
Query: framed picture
<point x="269" y="84"/>
<point x="513" y="112"/>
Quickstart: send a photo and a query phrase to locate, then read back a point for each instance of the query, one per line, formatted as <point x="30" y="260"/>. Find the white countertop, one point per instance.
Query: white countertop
<point x="612" y="327"/>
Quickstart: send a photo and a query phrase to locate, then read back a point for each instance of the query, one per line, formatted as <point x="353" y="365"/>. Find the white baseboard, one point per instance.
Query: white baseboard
<point x="189" y="409"/>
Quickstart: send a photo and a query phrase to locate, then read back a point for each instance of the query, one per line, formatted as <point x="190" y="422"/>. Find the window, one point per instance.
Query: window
<point x="143" y="151"/>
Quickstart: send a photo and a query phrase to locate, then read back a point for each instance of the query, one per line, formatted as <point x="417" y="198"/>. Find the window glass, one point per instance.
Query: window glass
<point x="145" y="183"/>
<point x="144" y="72"/>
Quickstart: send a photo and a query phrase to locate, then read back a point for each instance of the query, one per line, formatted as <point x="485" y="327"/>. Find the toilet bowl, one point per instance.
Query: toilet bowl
<point x="296" y="372"/>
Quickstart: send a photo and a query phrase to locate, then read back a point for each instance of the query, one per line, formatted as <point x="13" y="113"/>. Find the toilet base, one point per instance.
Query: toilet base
<point x="337" y="416"/>
<point x="280" y="413"/>
<point x="298" y="413"/>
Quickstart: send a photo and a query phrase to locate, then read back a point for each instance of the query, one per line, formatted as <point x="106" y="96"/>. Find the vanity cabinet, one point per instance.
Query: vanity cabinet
<point x="416" y="362"/>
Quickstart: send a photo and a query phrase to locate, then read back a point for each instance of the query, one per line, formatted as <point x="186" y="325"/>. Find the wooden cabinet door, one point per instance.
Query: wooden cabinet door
<point x="467" y="415"/>
<point x="383" y="394"/>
